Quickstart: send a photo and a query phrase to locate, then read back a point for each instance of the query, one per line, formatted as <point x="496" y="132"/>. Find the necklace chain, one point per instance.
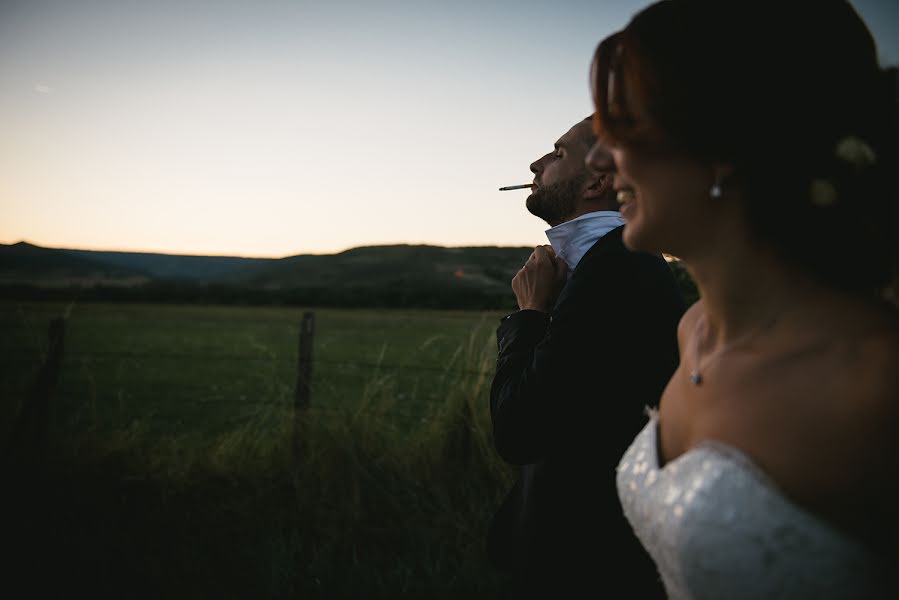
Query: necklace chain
<point x="696" y="373"/>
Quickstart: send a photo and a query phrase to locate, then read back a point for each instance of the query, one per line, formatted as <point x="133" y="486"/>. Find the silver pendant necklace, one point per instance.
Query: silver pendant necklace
<point x="695" y="375"/>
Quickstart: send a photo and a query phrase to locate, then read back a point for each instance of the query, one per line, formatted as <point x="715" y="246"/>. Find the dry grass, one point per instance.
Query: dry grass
<point x="366" y="505"/>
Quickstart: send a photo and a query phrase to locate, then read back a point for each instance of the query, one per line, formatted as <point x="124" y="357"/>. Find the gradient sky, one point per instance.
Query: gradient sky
<point x="272" y="128"/>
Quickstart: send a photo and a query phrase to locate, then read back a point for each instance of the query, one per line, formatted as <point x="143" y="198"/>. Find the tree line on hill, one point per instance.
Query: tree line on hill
<point x="373" y="277"/>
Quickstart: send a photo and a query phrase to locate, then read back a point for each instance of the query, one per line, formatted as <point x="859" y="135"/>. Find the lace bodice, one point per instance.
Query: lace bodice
<point x="718" y="527"/>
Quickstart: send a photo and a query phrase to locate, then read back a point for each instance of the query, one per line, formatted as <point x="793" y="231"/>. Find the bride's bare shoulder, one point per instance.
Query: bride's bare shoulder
<point x="860" y="385"/>
<point x="874" y="357"/>
<point x="875" y="410"/>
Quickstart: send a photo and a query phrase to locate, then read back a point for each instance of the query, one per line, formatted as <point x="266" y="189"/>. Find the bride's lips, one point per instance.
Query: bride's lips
<point x="625" y="197"/>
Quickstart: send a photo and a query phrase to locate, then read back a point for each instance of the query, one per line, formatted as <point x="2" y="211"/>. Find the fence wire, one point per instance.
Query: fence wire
<point x="323" y="366"/>
<point x="85" y="356"/>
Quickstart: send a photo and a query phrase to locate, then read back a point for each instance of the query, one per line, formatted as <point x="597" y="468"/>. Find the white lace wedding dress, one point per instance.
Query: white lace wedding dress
<point x="719" y="529"/>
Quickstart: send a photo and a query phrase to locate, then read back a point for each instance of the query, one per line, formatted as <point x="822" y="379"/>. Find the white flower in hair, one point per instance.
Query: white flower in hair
<point x="855" y="151"/>
<point x="823" y="193"/>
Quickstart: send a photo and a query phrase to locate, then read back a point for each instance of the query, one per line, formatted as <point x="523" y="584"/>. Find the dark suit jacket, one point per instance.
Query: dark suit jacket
<point x="568" y="397"/>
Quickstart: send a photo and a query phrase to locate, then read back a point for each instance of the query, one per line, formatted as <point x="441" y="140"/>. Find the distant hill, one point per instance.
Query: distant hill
<point x="402" y="276"/>
<point x="487" y="267"/>
<point x="171" y="266"/>
<point x="25" y="263"/>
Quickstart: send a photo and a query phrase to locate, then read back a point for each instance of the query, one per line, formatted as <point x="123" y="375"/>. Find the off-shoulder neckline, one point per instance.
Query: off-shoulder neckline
<point x="741" y="459"/>
<point x="729" y="451"/>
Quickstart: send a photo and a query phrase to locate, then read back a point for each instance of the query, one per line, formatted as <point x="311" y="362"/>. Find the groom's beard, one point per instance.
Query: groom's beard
<point x="556" y="203"/>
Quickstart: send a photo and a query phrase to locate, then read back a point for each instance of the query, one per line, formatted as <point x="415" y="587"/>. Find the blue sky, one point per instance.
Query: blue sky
<point x="274" y="128"/>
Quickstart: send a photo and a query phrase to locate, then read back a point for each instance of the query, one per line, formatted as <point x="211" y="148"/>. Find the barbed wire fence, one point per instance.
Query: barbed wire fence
<point x="28" y="437"/>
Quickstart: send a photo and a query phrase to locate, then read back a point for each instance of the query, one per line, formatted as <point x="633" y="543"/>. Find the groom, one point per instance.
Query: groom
<point x="593" y="344"/>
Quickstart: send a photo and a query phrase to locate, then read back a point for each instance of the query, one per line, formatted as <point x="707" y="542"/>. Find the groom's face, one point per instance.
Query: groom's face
<point x="560" y="177"/>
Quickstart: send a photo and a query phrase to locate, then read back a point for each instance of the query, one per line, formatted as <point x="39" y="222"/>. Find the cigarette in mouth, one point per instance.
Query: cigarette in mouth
<point x="516" y="187"/>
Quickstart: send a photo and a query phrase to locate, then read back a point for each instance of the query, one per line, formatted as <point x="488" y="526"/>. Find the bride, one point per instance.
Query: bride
<point x="757" y="141"/>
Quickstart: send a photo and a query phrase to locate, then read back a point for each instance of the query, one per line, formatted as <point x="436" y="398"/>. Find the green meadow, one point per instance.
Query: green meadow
<point x="175" y="464"/>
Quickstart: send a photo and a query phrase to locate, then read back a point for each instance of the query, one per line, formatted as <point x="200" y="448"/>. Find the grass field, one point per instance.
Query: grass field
<point x="170" y="469"/>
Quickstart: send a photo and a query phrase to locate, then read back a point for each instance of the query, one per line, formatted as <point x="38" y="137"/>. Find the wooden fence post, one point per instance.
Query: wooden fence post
<point x="304" y="362"/>
<point x="302" y="392"/>
<point x="28" y="439"/>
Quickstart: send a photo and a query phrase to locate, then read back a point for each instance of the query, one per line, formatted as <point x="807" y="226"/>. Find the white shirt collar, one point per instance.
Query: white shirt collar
<point x="572" y="239"/>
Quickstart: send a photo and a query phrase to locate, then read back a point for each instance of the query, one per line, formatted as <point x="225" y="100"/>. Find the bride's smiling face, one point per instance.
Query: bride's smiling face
<point x="663" y="190"/>
<point x="667" y="204"/>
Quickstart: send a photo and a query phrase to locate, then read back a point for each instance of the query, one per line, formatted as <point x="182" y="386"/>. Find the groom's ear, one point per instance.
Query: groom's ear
<point x="597" y="185"/>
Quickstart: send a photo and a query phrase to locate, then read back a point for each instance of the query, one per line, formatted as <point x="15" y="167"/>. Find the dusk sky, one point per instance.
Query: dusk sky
<point x="272" y="128"/>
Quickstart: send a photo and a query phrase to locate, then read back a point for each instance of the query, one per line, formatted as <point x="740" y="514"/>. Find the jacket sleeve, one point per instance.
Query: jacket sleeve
<point x="589" y="368"/>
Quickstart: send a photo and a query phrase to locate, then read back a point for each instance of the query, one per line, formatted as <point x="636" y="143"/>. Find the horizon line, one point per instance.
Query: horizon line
<point x="259" y="257"/>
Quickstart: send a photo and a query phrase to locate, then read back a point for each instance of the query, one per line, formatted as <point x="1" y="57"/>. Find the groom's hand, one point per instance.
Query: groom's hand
<point x="538" y="283"/>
